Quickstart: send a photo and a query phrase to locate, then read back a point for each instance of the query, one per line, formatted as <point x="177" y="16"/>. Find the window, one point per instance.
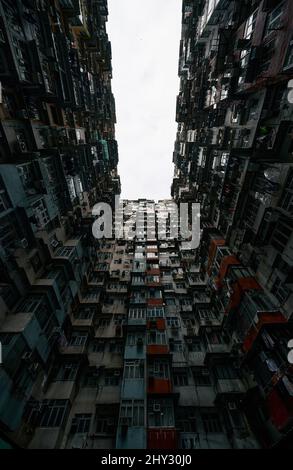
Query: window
<point x="67" y="372"/>
<point x="193" y="345"/>
<point x="155" y="312"/>
<point x="132" y="412"/>
<point x="157" y="337"/>
<point x="274" y="21"/>
<point x="154" y="294"/>
<point x="112" y="378"/>
<point x="4" y="199"/>
<point x="289" y="57"/>
<point x="9" y="231"/>
<point x="280" y="291"/>
<point x="134" y="339"/>
<point x="207" y="315"/>
<point x="98" y="346"/>
<point x="9" y="294"/>
<point x="78" y="340"/>
<point x="239" y="273"/>
<point x="91" y="378"/>
<point x="173" y="322"/>
<point x="265" y="62"/>
<point x="187" y="425"/>
<point x="115" y="347"/>
<point x="286" y="202"/>
<point x="103" y="323"/>
<point x="250" y="26"/>
<point x="105" y="426"/>
<point x="211" y="423"/>
<point x="133" y="370"/>
<point x="168" y="286"/>
<point x="186" y="302"/>
<point x="30" y="304"/>
<point x="66" y="251"/>
<point x="6" y="338"/>
<point x="161" y="413"/>
<point x="189" y="322"/>
<point x="54" y="413"/>
<point x="180" y="378"/>
<point x="138" y="280"/>
<point x="137" y="313"/>
<point x="81" y="424"/>
<point x="282" y="266"/>
<point x="85" y="314"/>
<point x="159" y="370"/>
<point x="282" y="234"/>
<point x="201" y="377"/>
<point x="226" y="373"/>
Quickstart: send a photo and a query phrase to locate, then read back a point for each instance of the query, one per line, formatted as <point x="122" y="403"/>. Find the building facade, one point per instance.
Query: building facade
<point x="58" y="157"/>
<point x="137" y="341"/>
<point x="233" y="154"/>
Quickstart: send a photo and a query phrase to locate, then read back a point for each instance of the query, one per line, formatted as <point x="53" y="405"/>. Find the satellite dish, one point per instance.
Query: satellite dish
<point x="272" y="174"/>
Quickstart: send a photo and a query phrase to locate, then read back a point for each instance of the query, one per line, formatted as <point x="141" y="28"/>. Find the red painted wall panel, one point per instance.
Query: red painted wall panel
<point x="162" y="439"/>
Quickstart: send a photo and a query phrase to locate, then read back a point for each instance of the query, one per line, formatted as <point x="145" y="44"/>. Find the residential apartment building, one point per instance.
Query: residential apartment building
<point x="58" y="157"/>
<point x="139" y="342"/>
<point x="233" y="154"/>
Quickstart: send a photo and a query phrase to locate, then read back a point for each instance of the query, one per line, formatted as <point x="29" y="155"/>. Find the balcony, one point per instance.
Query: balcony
<point x="227" y="386"/>
<point x="218" y="348"/>
<point x="81" y="322"/>
<point x="261" y="319"/>
<point x="77" y="344"/>
<point x="189" y="440"/>
<point x="201" y="298"/>
<point x="73" y="350"/>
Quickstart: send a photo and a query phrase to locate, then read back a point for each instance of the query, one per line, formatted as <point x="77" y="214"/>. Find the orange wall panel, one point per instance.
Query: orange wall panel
<point x="159" y="386"/>
<point x="162" y="439"/>
<point x="157" y="349"/>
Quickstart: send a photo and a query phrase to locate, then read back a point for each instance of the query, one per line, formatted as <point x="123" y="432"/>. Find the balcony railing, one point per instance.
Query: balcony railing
<point x="230" y="386"/>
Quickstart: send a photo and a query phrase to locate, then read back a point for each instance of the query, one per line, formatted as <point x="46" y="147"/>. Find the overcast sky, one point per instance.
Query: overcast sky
<point x="145" y="37"/>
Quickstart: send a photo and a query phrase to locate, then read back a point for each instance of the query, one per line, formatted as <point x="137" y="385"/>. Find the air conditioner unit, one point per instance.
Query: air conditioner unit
<point x="27" y="356"/>
<point x="20" y="146"/>
<point x="205" y="372"/>
<point x="117" y="373"/>
<point x="232" y="406"/>
<point x="156" y="408"/>
<point x="23" y="243"/>
<point x="54" y="243"/>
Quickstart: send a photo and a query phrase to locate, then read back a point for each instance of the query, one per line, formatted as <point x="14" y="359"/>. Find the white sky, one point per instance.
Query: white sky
<point x="145" y="38"/>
